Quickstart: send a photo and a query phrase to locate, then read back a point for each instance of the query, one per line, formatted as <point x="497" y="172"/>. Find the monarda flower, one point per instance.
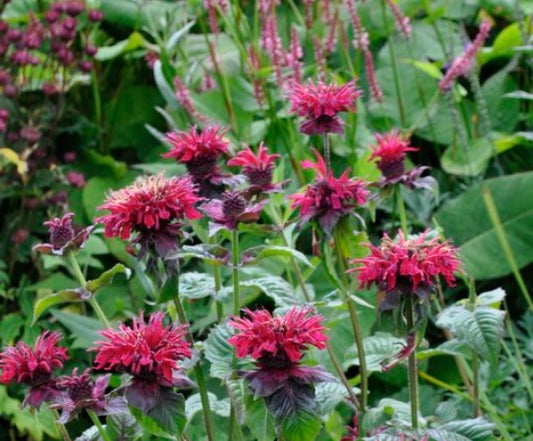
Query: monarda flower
<point x="83" y="392"/>
<point x="407" y="267"/>
<point x="277" y="345"/>
<point x="150" y="353"/>
<point x="63" y="237"/>
<point x="328" y="198"/>
<point x="258" y="169"/>
<point x="320" y="104"/>
<point x="34" y="367"/>
<point x="391" y="152"/>
<point x="153" y="208"/>
<point x="231" y="210"/>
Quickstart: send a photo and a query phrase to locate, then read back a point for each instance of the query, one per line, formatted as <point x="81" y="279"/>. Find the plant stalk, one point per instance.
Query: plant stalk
<point x="327" y="151"/>
<point x="412" y="367"/>
<point x="61" y="427"/>
<point x="198" y="373"/>
<point x="235" y="257"/>
<point x="96" y="421"/>
<point x="83" y="282"/>
<point x="401" y="210"/>
<point x="475" y="357"/>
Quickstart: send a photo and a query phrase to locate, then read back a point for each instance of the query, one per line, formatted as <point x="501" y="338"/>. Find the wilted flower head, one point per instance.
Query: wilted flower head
<point x="407" y="266"/>
<point x="63" y="237"/>
<point x="83" y="392"/>
<point x="153" y="207"/>
<point x="277" y="345"/>
<point x="257" y="168"/>
<point x="149" y="352"/>
<point x="34" y="367"/>
<point x="198" y="149"/>
<point x="231" y="210"/>
<point x="328" y="198"/>
<point x="320" y="105"/>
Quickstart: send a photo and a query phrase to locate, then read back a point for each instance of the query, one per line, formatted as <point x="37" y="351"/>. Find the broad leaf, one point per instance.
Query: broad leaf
<point x="300" y="426"/>
<point x="276" y="288"/>
<point x="378" y="348"/>
<point x="329" y="395"/>
<point x="219" y="352"/>
<point x="212" y="254"/>
<point x="195" y="285"/>
<point x="106" y="277"/>
<point x="85" y="329"/>
<point x="193" y="405"/>
<point x="67" y="295"/>
<point x="122" y="427"/>
<point x="255" y="254"/>
<point x="260" y="420"/>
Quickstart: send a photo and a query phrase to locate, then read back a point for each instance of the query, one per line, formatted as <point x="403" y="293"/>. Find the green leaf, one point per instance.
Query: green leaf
<point x="219" y="352"/>
<point x="85" y="329"/>
<point x="300" y="426"/>
<point x="122" y="427"/>
<point x="193" y="405"/>
<point x="492" y="298"/>
<point x="477" y="429"/>
<point x="42" y="304"/>
<point x="451" y="347"/>
<point x="277" y="288"/>
<point x="471" y="162"/>
<point x="479" y="245"/>
<point x="212" y="254"/>
<point x="167" y="418"/>
<point x="255" y="254"/>
<point x="134" y="41"/>
<point x="378" y="348"/>
<point x="329" y="395"/>
<point x="178" y="35"/>
<point x="519" y="95"/>
<point x="503" y="113"/>
<point x="195" y="285"/>
<point x="131" y="13"/>
<point x="260" y="421"/>
<point x="106" y="277"/>
<point x="481" y="329"/>
<point x="166" y="91"/>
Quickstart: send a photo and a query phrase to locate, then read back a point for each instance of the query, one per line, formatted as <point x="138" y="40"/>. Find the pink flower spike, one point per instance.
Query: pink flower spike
<point x="403" y="23"/>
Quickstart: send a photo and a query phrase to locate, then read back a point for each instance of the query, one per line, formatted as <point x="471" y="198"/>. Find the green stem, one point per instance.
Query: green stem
<point x="83" y="282"/>
<point x="218" y="284"/>
<point x="504" y="243"/>
<point x="327" y="151"/>
<point x="96" y="421"/>
<point x="401" y="210"/>
<point x="412" y="367"/>
<point x="198" y="373"/>
<point x="62" y="429"/>
<point x="235" y="256"/>
<point x="392" y="55"/>
<point x="475" y="358"/>
<point x="356" y="327"/>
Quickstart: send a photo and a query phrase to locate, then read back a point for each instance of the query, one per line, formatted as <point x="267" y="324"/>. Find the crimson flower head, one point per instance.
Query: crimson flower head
<point x="277" y="345"/>
<point x="149" y="352"/>
<point x="153" y="208"/>
<point x="34" y="367"/>
<point x="328" y="198"/>
<point x="231" y="210"/>
<point x="198" y="149"/>
<point x="63" y="237"/>
<point x="320" y="105"/>
<point x="258" y="169"/>
<point x="83" y="392"/>
<point x="407" y="266"/>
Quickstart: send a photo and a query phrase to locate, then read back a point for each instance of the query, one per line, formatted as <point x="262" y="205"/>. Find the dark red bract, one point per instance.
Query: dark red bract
<point x="320" y="105"/>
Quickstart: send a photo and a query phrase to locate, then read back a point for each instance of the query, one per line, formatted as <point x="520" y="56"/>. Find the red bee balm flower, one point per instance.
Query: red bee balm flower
<point x="277" y="345"/>
<point x="153" y="207"/>
<point x="320" y="105"/>
<point x="391" y="151"/>
<point x="34" y="367"/>
<point x="328" y="198"/>
<point x="83" y="392"/>
<point x="257" y="168"/>
<point x="147" y="351"/>
<point x="63" y="236"/>
<point x="407" y="267"/>
<point x="198" y="150"/>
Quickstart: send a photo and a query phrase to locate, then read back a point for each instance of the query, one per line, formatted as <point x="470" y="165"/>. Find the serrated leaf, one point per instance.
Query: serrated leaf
<point x="193" y="405"/>
<point x="329" y="395"/>
<point x="212" y="254"/>
<point x="378" y="348"/>
<point x="276" y="288"/>
<point x="255" y="254"/>
<point x="300" y="426"/>
<point x="107" y="277"/>
<point x="260" y="420"/>
<point x="42" y="304"/>
<point x="85" y="329"/>
<point x="451" y="347"/>
<point x="477" y="429"/>
<point x="219" y="352"/>
<point x="122" y="427"/>
<point x="195" y="285"/>
<point x="481" y="329"/>
<point x="491" y="298"/>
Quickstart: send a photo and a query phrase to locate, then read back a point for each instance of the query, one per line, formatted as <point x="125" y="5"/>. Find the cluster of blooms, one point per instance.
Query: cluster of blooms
<point x="277" y="345"/>
<point x="407" y="267"/>
<point x="328" y="198"/>
<point x="148" y="352"/>
<point x="465" y="62"/>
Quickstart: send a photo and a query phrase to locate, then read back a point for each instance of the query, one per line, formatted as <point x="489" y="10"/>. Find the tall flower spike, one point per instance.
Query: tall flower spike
<point x="63" y="237"/>
<point x="34" y="367"/>
<point x="464" y="63"/>
<point x="407" y="266"/>
<point x="403" y="24"/>
<point x="375" y="90"/>
<point x="153" y="208"/>
<point x="320" y="104"/>
<point x="277" y="345"/>
<point x="184" y="98"/>
<point x="150" y="352"/>
<point x="258" y="169"/>
<point x="328" y="198"/>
